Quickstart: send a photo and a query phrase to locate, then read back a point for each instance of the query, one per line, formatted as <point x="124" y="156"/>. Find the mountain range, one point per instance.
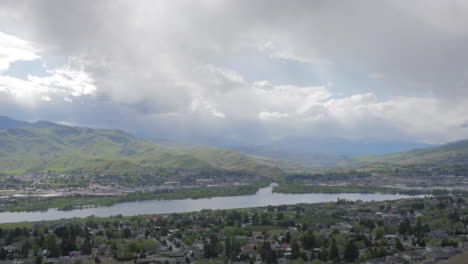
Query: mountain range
<point x="6" y="122"/>
<point x="346" y="147"/>
<point x="44" y="146"/>
<point x="455" y="153"/>
<point x="290" y="160"/>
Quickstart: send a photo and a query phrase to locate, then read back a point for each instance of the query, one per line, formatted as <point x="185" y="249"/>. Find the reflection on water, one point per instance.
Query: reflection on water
<point x="263" y="197"/>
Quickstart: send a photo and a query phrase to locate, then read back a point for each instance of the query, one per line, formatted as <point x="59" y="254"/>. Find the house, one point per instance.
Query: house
<point x="276" y="245"/>
<point x="463" y="244"/>
<point x="9" y="248"/>
<point x="376" y="261"/>
<point x="437" y="234"/>
<point x="414" y="255"/>
<point x="171" y="183"/>
<point x="343" y="227"/>
<point x="395" y="259"/>
<point x="442" y="254"/>
<point x="437" y="256"/>
<point x="204" y="180"/>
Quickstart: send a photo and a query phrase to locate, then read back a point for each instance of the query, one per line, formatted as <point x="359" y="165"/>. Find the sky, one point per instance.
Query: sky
<point x="240" y="71"/>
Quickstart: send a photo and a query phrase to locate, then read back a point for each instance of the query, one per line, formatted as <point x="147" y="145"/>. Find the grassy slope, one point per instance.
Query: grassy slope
<point x="46" y="146"/>
<point x="451" y="153"/>
<point x="292" y="160"/>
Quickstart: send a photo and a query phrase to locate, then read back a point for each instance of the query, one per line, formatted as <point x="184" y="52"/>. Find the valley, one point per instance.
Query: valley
<point x="51" y="172"/>
<point x="233" y="132"/>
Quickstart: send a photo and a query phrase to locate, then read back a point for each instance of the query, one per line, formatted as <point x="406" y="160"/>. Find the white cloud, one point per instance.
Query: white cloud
<point x="199" y="105"/>
<point x="308" y="109"/>
<point x="14" y="49"/>
<point x="285" y="51"/>
<point x="225" y="75"/>
<point x="175" y="61"/>
<point x="68" y="80"/>
<point x="45" y="98"/>
<point x="271" y="115"/>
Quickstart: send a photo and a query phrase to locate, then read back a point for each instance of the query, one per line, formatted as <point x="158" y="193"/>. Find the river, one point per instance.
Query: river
<point x="263" y="197"/>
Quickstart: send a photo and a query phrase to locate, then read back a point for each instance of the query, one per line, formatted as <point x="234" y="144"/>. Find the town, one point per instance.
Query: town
<point x="423" y="230"/>
<point x="40" y="191"/>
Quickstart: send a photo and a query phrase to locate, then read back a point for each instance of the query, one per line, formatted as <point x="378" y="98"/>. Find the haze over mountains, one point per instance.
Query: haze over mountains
<point x="6" y="122"/>
<point x="42" y="146"/>
<point x="333" y="146"/>
<point x="455" y="153"/>
<point x="267" y="74"/>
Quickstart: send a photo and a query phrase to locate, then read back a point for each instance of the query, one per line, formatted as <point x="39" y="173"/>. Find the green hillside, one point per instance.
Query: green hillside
<point x="455" y="153"/>
<point x="292" y="161"/>
<point x="44" y="146"/>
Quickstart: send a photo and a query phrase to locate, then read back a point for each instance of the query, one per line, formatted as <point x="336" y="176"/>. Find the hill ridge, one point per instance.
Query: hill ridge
<point x="44" y="145"/>
<point x="450" y="153"/>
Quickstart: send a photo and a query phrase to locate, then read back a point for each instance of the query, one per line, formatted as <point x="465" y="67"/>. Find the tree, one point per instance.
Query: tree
<point x="149" y="245"/>
<point x="287" y="237"/>
<point x="229" y="247"/>
<point x="255" y="218"/>
<point x="25" y="249"/>
<point x="334" y="254"/>
<point x="280" y="216"/>
<point x="357" y="228"/>
<point x="308" y="240"/>
<point x="3" y="253"/>
<point x="378" y="232"/>
<point x="38" y="259"/>
<point x="351" y="251"/>
<point x="67" y="246"/>
<point x="207" y="250"/>
<point x="270" y="257"/>
<point x="459" y="226"/>
<point x="216" y="246"/>
<point x="266" y="253"/>
<point x="405" y="227"/>
<point x="212" y="249"/>
<point x="399" y="246"/>
<point x="86" y="247"/>
<point x="127" y="233"/>
<point x="295" y="251"/>
<point x="53" y="249"/>
<point x="418" y="227"/>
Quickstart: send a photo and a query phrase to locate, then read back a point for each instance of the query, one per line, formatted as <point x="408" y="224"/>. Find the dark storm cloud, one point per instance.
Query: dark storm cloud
<point x="154" y="65"/>
<point x="421" y="42"/>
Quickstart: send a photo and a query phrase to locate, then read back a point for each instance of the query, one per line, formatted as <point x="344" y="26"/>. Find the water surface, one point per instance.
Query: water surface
<point x="263" y="197"/>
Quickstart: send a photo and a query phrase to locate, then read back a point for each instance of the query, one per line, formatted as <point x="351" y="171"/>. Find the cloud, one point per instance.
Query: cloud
<point x="272" y="115"/>
<point x="45" y="98"/>
<point x="15" y="49"/>
<point x="184" y="69"/>
<point x="201" y="106"/>
<point x="68" y="80"/>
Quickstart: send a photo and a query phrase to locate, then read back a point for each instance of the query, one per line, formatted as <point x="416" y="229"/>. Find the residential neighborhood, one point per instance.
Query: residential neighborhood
<point x="419" y="230"/>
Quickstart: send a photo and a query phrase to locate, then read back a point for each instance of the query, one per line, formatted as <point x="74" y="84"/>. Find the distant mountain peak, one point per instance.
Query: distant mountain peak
<point x="450" y="153"/>
<point x="7" y="122"/>
<point x="44" y="146"/>
<point x="42" y="123"/>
